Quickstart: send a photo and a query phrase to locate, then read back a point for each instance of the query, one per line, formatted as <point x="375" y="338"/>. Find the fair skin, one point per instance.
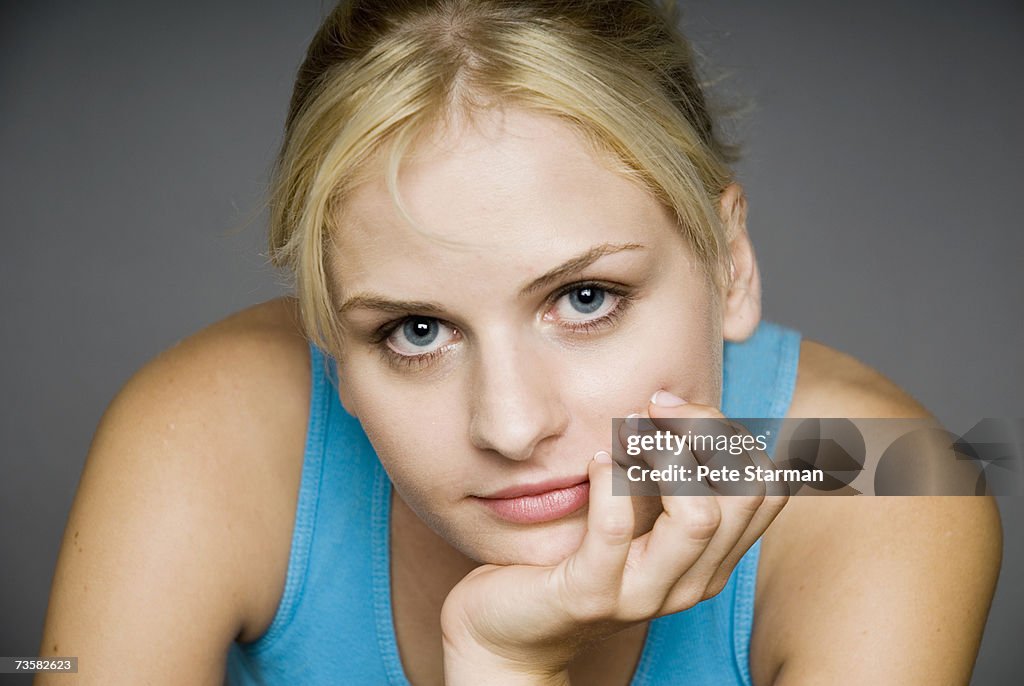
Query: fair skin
<point x="509" y="381"/>
<point x="170" y="537"/>
<point x="513" y="392"/>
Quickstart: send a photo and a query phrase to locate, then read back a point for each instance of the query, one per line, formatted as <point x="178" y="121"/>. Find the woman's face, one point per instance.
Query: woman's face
<point x="539" y="295"/>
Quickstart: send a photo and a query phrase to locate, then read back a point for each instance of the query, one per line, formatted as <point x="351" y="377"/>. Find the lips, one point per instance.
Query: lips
<point x="538" y="487"/>
<point x="538" y="502"/>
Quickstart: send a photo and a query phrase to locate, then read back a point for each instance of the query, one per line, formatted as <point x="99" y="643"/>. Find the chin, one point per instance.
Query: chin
<point x="542" y="545"/>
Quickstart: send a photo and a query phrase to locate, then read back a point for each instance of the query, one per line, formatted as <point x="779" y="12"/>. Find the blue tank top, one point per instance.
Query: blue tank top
<point x="334" y="623"/>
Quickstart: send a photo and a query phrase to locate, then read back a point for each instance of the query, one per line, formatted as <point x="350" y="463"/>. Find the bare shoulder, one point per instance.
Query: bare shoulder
<point x="831" y="383"/>
<point x="849" y="587"/>
<point x="179" y="534"/>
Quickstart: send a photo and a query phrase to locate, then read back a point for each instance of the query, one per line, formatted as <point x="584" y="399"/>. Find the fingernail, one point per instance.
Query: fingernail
<point x="633" y="421"/>
<point x="666" y="399"/>
<point x="602" y="457"/>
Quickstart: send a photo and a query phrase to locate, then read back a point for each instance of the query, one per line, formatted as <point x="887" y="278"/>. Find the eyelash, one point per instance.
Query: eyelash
<point x="625" y="299"/>
<point x="591" y="325"/>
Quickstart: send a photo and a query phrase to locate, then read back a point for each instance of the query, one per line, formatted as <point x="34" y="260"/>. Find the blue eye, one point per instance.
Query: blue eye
<point x="592" y="301"/>
<point x="419" y="336"/>
<point x="586" y="300"/>
<point x="584" y="308"/>
<point x="420" y="331"/>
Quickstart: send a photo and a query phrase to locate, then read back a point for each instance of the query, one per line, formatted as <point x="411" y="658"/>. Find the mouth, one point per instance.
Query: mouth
<point x="539" y="502"/>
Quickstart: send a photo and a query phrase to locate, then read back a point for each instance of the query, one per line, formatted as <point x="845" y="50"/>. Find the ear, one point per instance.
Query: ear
<point x="741" y="295"/>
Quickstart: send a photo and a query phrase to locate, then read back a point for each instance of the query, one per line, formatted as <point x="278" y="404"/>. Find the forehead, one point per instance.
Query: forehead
<point x="509" y="187"/>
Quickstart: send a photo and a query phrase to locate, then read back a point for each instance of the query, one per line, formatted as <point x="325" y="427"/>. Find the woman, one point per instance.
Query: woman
<point x="508" y="223"/>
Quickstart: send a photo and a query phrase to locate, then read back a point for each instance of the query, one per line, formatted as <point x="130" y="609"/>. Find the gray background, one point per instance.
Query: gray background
<point x="883" y="161"/>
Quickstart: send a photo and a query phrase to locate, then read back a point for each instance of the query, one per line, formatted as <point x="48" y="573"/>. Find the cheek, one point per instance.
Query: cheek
<point x="414" y="440"/>
<point x="681" y="354"/>
<point x="687" y="361"/>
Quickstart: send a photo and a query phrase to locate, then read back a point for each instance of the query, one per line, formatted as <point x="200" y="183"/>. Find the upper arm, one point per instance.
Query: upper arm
<point x="873" y="589"/>
<point x="896" y="590"/>
<point x="175" y="537"/>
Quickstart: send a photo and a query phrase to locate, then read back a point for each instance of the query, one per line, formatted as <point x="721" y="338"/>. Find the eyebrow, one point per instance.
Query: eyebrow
<point x="577" y="264"/>
<point x="571" y="266"/>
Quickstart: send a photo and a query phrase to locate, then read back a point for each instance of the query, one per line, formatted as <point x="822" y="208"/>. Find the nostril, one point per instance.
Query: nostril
<point x="515" y="433"/>
<point x="517" y="403"/>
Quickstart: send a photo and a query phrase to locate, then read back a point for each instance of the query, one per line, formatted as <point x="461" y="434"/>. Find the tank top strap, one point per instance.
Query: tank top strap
<point x="327" y="623"/>
<point x="759" y="374"/>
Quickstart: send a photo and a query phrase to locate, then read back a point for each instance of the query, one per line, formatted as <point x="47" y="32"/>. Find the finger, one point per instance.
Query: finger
<point x="687" y="419"/>
<point x="698" y="583"/>
<point x="629" y="448"/>
<point x="745" y="515"/>
<point x="694" y="534"/>
<point x="593" y="574"/>
<point x="702" y="455"/>
<point x="665" y="470"/>
<point x="776" y="497"/>
<point x="743" y="518"/>
<point x="678" y="540"/>
<point x="721" y="445"/>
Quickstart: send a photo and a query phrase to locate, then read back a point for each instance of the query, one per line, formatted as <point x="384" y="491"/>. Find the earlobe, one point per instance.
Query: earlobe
<point x="741" y="311"/>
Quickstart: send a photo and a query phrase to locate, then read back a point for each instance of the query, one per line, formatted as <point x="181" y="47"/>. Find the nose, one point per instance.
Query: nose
<point x="516" y="399"/>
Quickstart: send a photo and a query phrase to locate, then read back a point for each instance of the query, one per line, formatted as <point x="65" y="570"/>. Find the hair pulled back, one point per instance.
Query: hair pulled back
<point x="379" y="73"/>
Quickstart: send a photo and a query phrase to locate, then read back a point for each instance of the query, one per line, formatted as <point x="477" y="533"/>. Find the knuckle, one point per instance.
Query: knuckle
<point x="588" y="608"/>
<point x="702" y="521"/>
<point x="775" y="503"/>
<point x="616" y="529"/>
<point x="749" y="504"/>
<point x="686" y="597"/>
<point x="715" y="586"/>
<point x="641" y="609"/>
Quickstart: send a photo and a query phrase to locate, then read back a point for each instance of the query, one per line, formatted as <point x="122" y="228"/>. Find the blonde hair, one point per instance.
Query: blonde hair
<point x="381" y="72"/>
